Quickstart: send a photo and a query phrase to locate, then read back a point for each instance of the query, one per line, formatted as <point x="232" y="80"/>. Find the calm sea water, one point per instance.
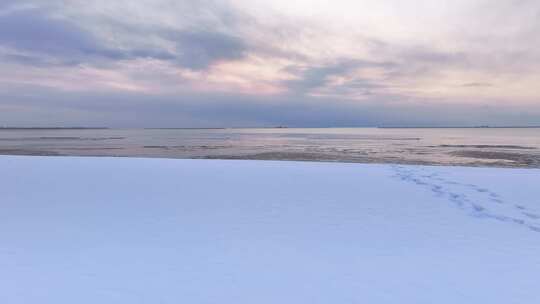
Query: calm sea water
<point x="468" y="146"/>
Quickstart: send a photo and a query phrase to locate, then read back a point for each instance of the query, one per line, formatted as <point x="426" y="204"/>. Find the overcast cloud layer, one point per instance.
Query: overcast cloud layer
<point x="240" y="63"/>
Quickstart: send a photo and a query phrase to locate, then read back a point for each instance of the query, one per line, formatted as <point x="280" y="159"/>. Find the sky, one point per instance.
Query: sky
<point x="254" y="63"/>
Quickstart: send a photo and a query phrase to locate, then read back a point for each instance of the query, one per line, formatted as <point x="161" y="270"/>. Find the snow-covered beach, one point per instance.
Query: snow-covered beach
<point x="128" y="230"/>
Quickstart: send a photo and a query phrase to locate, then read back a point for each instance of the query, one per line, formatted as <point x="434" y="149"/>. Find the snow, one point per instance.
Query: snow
<point x="124" y="230"/>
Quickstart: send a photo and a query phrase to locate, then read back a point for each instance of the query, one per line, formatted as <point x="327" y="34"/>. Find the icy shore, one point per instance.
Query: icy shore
<point x="122" y="230"/>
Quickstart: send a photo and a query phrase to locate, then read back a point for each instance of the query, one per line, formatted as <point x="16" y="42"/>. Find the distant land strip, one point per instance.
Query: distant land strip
<point x="53" y="128"/>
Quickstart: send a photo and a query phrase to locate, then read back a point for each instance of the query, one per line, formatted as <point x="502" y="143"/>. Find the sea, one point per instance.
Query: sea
<point x="498" y="147"/>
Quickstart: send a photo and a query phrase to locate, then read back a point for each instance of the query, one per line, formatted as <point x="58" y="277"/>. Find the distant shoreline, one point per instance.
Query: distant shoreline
<point x="53" y="128"/>
<point x="466" y="127"/>
<point x="182" y="128"/>
<point x="239" y="128"/>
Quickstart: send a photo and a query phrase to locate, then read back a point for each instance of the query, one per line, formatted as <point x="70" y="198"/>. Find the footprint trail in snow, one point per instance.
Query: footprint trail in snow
<point x="477" y="201"/>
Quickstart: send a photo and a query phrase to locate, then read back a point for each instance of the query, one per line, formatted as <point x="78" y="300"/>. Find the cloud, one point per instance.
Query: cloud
<point x="236" y="110"/>
<point x="313" y="77"/>
<point x="198" y="49"/>
<point x="477" y="85"/>
<point x="36" y="37"/>
<point x="7" y="5"/>
<point x="240" y="62"/>
<point x="31" y="31"/>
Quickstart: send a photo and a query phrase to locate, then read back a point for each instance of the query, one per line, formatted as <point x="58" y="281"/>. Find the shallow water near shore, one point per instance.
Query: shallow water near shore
<point x="501" y="147"/>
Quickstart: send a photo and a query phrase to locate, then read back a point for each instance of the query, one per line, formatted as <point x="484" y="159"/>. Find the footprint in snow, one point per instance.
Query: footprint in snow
<point x="480" y="207"/>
